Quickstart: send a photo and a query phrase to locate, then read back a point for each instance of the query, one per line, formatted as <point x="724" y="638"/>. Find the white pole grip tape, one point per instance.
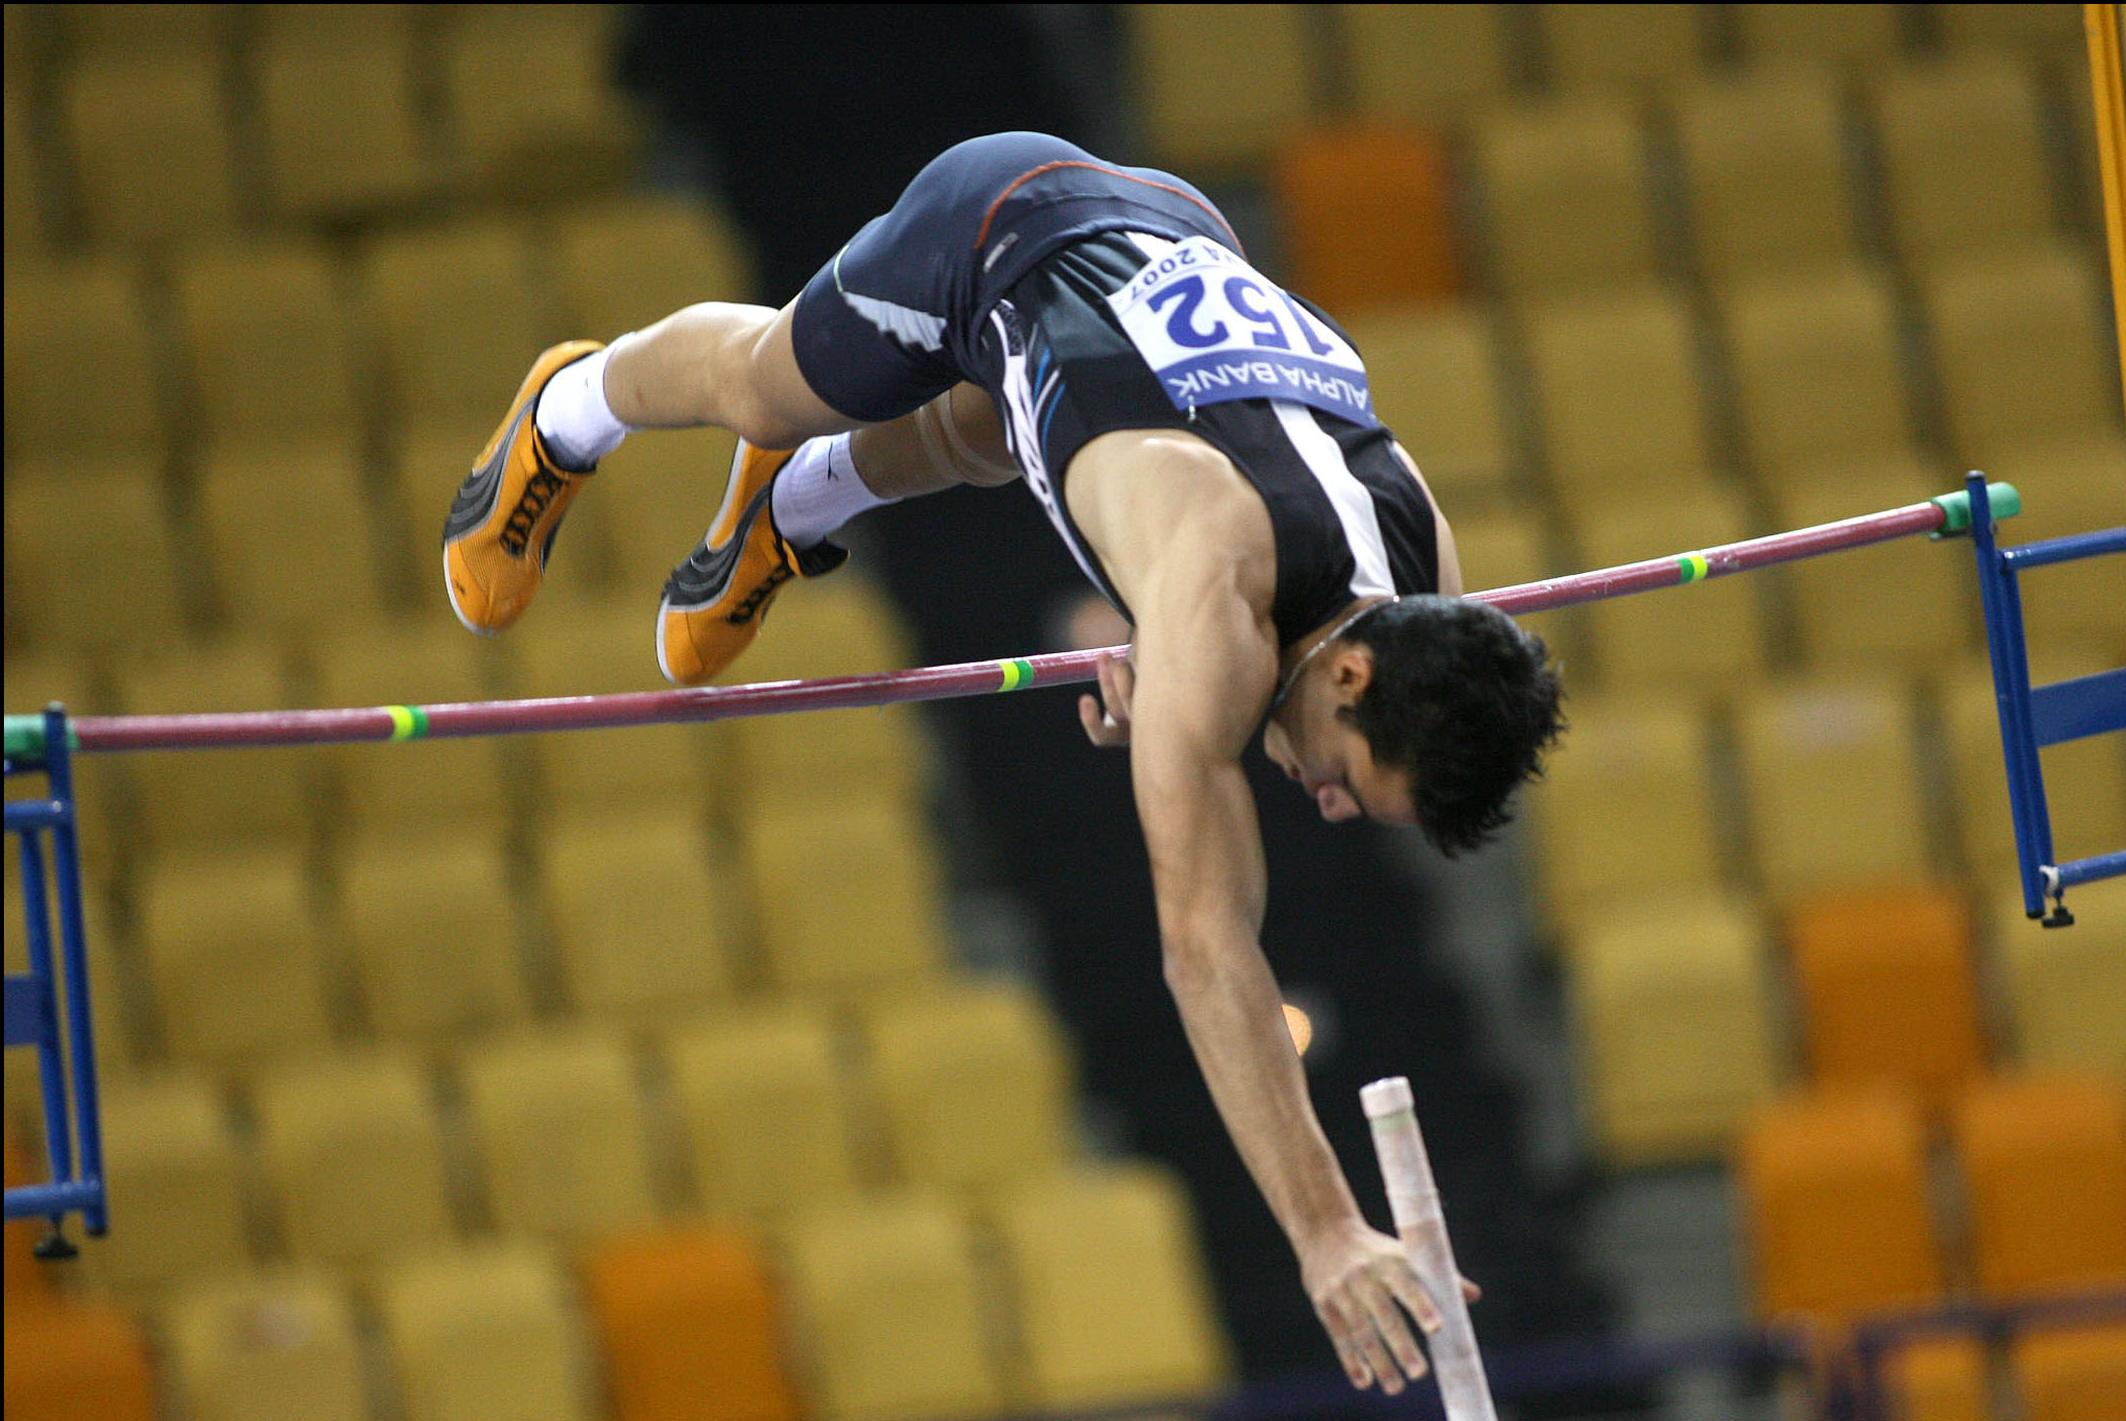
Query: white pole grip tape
<point x="1414" y="1200"/>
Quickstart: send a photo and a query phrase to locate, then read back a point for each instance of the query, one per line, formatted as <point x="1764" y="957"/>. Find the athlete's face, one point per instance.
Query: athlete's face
<point x="1325" y="753"/>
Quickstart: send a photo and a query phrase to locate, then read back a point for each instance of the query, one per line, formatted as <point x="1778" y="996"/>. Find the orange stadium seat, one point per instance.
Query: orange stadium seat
<point x="432" y="928"/>
<point x="29" y="1282"/>
<point x="83" y="1359"/>
<point x="847" y="896"/>
<point x="282" y="1344"/>
<point x="1941" y="1379"/>
<point x="1888" y="989"/>
<point x="1567" y="197"/>
<point x="270" y="345"/>
<point x="559" y="1124"/>
<point x="490" y="1332"/>
<point x="343" y="137"/>
<point x="766" y="1110"/>
<point x="1834" y="1198"/>
<point x="1948" y="130"/>
<point x="1425" y="62"/>
<point x="1743" y="138"/>
<point x="1674" y="1024"/>
<point x="579" y="137"/>
<point x="151" y="149"/>
<point x="1818" y="372"/>
<point x="1854" y="35"/>
<point x="1438" y="382"/>
<point x="83" y="378"/>
<point x="688" y="1324"/>
<point x="1596" y="45"/>
<point x="176" y="1183"/>
<point x="1714" y="634"/>
<point x="2066" y="991"/>
<point x="91" y="557"/>
<point x="2044" y="1169"/>
<point x="2076" y="1375"/>
<point x="1109" y="1290"/>
<point x="352" y="1150"/>
<point x="255" y="510"/>
<point x="1219" y="107"/>
<point x="1368" y="216"/>
<point x="679" y="252"/>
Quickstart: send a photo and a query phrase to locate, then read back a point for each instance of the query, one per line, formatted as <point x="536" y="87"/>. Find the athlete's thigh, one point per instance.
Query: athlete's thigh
<point x="786" y="396"/>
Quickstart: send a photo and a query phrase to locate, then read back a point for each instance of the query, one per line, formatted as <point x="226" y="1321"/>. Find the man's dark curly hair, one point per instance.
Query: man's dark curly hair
<point x="1465" y="702"/>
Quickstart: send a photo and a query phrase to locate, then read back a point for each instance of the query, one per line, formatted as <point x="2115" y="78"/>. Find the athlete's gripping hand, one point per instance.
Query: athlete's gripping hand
<point x="1107" y="724"/>
<point x="1362" y="1283"/>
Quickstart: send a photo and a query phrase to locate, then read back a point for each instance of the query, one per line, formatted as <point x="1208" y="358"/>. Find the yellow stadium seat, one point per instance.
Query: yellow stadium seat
<point x="82" y="1359"/>
<point x="1504" y="549"/>
<point x="1109" y="1289"/>
<point x="268" y="509"/>
<point x="99" y="30"/>
<point x="1425" y="62"/>
<point x="25" y="207"/>
<point x="1835" y="1206"/>
<point x="841" y="627"/>
<point x="656" y="495"/>
<point x="1592" y="46"/>
<point x="272" y="354"/>
<point x="1856" y="35"/>
<point x="1674" y="1024"/>
<point x="927" y="1354"/>
<point x="1991" y="27"/>
<point x="353" y="1153"/>
<point x="1437" y="381"/>
<point x="1832" y="776"/>
<point x="629" y="261"/>
<point x="1621" y="407"/>
<point x="688" y="1322"/>
<point x="150" y="141"/>
<point x="766" y="1111"/>
<point x="2071" y="485"/>
<point x="560" y="1130"/>
<point x="91" y="560"/>
<point x="2019" y="351"/>
<point x="83" y="378"/>
<point x="872" y="753"/>
<point x="1817" y="370"/>
<point x="1948" y="130"/>
<point x="1628" y="808"/>
<point x="485" y="1334"/>
<point x="2066" y="990"/>
<point x="1568" y="199"/>
<point x="975" y="1085"/>
<point x="642" y="922"/>
<point x="234" y="960"/>
<point x="1218" y="106"/>
<point x="456" y="310"/>
<point x="846" y="897"/>
<point x="2073" y="1374"/>
<point x="432" y="930"/>
<point x="343" y="137"/>
<point x="579" y="137"/>
<point x="324" y="23"/>
<point x="176" y="1183"/>
<point x="1368" y="215"/>
<point x="282" y="1344"/>
<point x="1714" y="634"/>
<point x="2044" y="1169"/>
<point x="1941" y="1379"/>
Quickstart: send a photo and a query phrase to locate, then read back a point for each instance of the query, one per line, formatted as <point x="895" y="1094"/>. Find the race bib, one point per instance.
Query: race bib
<point x="1213" y="328"/>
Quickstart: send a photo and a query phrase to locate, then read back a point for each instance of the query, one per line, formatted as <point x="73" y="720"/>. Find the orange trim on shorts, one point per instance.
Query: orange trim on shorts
<point x="1031" y="173"/>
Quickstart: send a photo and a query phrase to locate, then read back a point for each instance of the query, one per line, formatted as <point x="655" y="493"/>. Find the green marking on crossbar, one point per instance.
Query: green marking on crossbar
<point x="1693" y="567"/>
<point x="1018" y="674"/>
<point x="2005" y="500"/>
<point x="407" y="722"/>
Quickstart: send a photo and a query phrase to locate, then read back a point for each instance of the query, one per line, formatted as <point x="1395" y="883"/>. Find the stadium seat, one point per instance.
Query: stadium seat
<point x="925" y="1356"/>
<point x="688" y="1324"/>
<point x="234" y="960"/>
<point x="1995" y="27"/>
<point x="271" y="351"/>
<point x="974" y="1082"/>
<point x="2066" y="991"/>
<point x="1597" y="46"/>
<point x="84" y="1359"/>
<point x="280" y="1344"/>
<point x="1948" y="130"/>
<point x="1628" y="807"/>
<point x="176" y="1185"/>
<point x="2019" y="353"/>
<point x="25" y="207"/>
<point x="1836" y="1217"/>
<point x="2044" y="1169"/>
<point x="656" y="497"/>
<point x="1567" y="198"/>
<point x="1818" y="372"/>
<point x="1109" y="1290"/>
<point x="643" y="925"/>
<point x="1391" y="183"/>
<point x="485" y="1334"/>
<point x="870" y="753"/>
<point x="143" y="30"/>
<point x="846" y="897"/>
<point x="353" y="1152"/>
<point x="1854" y="35"/>
<point x="579" y="137"/>
<point x="1427" y="63"/>
<point x="766" y="1112"/>
<point x="256" y="514"/>
<point x="2072" y="1375"/>
<point x="149" y="138"/>
<point x="432" y="928"/>
<point x="343" y="137"/>
<point x="1887" y="989"/>
<point x="840" y="627"/>
<point x="679" y="251"/>
<point x="1620" y="400"/>
<point x="561" y="1134"/>
<point x="1437" y="377"/>
<point x="1714" y="634"/>
<point x="428" y="289"/>
<point x="1219" y="107"/>
<point x="1504" y="548"/>
<point x="83" y="379"/>
<point x="1832" y="776"/>
<point x="1941" y="1379"/>
<point x="29" y="1282"/>
<point x="91" y="558"/>
<point x="2070" y="484"/>
<point x="326" y="23"/>
<point x="1673" y="1016"/>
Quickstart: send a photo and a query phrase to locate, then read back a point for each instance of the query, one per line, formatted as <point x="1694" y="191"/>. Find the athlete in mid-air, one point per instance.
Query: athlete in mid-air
<point x="1206" y="445"/>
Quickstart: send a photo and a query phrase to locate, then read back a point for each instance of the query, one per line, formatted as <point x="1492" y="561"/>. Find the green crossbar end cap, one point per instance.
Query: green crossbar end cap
<point x="2004" y="499"/>
<point x="25" y="738"/>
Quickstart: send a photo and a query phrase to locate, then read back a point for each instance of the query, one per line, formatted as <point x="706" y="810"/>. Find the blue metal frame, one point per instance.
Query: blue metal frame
<point x="2034" y="717"/>
<point x="66" y="1054"/>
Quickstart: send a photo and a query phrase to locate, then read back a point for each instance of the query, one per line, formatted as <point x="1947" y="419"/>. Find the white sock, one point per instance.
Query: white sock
<point x="579" y="427"/>
<point x="819" y="490"/>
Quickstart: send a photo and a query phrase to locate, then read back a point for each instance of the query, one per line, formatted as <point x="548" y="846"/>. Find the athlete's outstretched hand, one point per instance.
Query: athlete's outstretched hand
<point x="1362" y="1283"/>
<point x="1108" y="725"/>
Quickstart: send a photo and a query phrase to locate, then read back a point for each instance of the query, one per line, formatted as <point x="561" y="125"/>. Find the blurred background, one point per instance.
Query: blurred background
<point x="821" y="1067"/>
